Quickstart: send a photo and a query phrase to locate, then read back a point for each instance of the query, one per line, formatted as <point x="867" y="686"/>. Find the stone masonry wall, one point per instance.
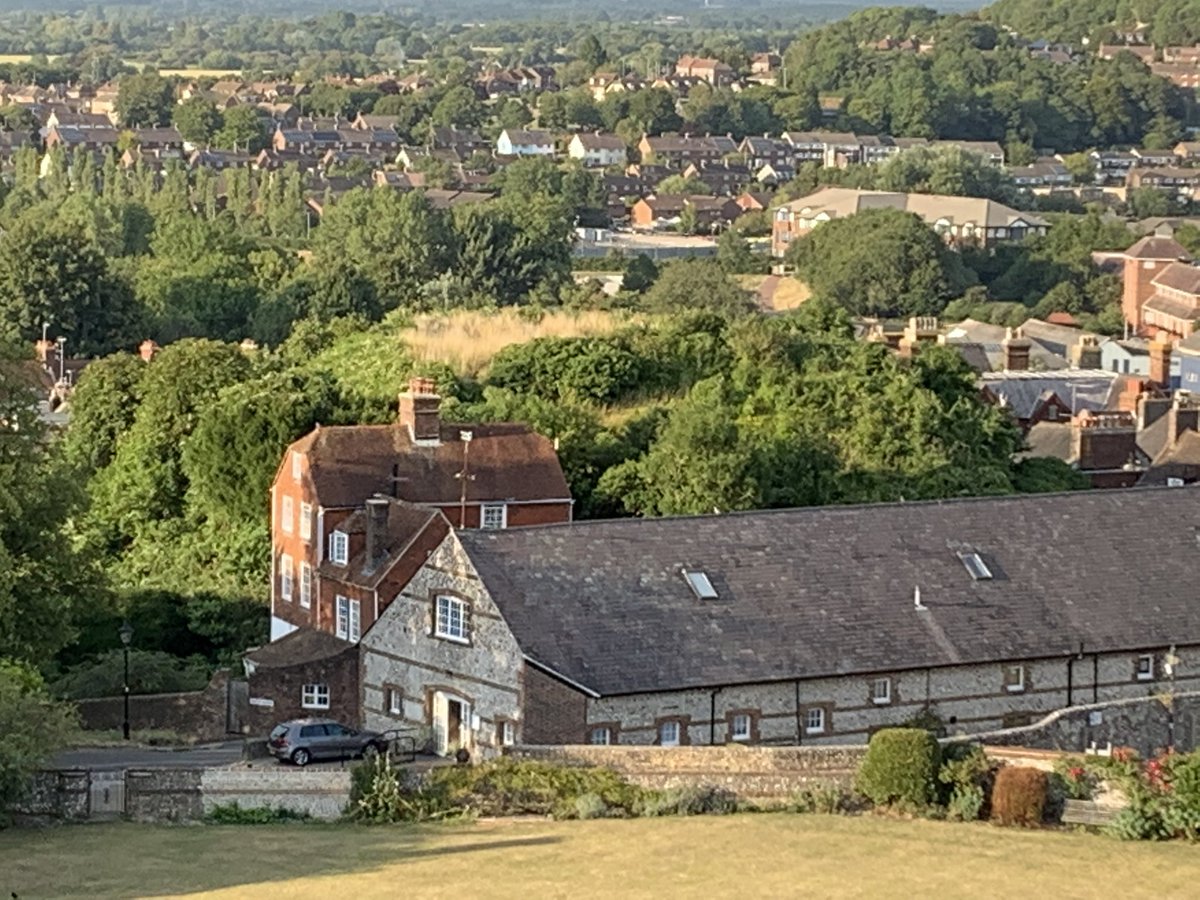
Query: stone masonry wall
<point x="322" y="793"/>
<point x="163" y="795"/>
<point x="764" y="773"/>
<point x="54" y="796"/>
<point x="194" y="714"/>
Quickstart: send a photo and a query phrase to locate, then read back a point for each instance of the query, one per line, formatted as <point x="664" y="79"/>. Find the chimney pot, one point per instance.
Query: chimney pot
<point x="147" y="350"/>
<point x="1016" y="350"/>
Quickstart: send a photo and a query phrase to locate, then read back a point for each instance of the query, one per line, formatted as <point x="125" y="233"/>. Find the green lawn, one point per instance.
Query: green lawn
<point x="737" y="856"/>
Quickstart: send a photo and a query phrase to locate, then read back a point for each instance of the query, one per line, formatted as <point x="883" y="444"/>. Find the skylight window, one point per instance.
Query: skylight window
<point x="700" y="584"/>
<point x="975" y="566"/>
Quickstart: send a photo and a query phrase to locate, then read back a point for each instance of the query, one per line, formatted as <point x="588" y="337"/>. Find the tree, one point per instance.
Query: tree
<point x="679" y="184"/>
<point x="198" y="120"/>
<point x="881" y="262"/>
<point x="35" y="725"/>
<point x="695" y="284"/>
<point x="144" y="100"/>
<point x="102" y="409"/>
<point x="735" y="255"/>
<point x="640" y="274"/>
<point x="241" y="129"/>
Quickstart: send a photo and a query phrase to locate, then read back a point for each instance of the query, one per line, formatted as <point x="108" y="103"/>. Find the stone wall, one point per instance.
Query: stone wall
<point x="1143" y="723"/>
<point x="200" y="715"/>
<point x="163" y="795"/>
<point x="54" y="796"/>
<point x="764" y="773"/>
<point x="322" y="793"/>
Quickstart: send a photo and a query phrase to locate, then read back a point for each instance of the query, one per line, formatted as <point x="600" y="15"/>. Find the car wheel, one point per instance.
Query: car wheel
<point x="301" y="757"/>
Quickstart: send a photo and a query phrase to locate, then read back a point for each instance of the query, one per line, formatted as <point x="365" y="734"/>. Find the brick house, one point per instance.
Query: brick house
<point x="304" y="673"/>
<point x="495" y="475"/>
<point x="715" y="72"/>
<point x="798" y="626"/>
<point x="1142" y="264"/>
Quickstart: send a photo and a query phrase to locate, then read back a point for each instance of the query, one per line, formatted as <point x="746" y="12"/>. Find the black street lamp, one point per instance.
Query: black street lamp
<point x="126" y="632"/>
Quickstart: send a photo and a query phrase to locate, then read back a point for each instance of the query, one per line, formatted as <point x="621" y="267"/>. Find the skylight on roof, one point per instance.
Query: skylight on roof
<point x="700" y="584"/>
<point x="975" y="566"/>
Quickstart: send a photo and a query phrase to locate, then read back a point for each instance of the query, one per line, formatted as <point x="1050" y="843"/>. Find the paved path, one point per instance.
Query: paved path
<point x="138" y="757"/>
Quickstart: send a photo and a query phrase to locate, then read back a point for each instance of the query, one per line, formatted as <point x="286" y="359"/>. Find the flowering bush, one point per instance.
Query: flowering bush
<point x="1076" y="780"/>
<point x="1163" y="793"/>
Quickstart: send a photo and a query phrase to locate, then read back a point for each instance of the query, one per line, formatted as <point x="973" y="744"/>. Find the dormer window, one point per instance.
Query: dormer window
<point x="339" y="547"/>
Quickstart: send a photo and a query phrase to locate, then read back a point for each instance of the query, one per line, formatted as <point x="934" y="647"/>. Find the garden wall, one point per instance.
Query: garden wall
<point x="200" y="715"/>
<point x="753" y="772"/>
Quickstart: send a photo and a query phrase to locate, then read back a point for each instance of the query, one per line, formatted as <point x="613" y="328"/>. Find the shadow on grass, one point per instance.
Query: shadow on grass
<point x="126" y="860"/>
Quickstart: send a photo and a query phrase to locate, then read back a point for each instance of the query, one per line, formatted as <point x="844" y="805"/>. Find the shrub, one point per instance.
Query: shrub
<point x="965" y="775"/>
<point x="826" y="799"/>
<point x="527" y="787"/>
<point x="900" y="767"/>
<point x="585" y="806"/>
<point x="696" y="801"/>
<point x="234" y="814"/>
<point x="379" y="794"/>
<point x="1019" y="797"/>
<point x="1077" y="781"/>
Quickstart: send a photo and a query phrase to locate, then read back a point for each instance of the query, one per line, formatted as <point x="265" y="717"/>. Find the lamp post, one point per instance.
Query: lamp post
<point x="126" y="632"/>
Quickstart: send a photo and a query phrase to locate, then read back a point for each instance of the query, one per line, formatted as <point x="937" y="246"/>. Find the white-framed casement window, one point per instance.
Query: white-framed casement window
<point x="287" y="513"/>
<point x="297" y="470"/>
<point x="668" y="733"/>
<point x="508" y="733"/>
<point x="739" y="727"/>
<point x="306" y="522"/>
<point x="395" y="702"/>
<point x="451" y="619"/>
<point x="348" y="623"/>
<point x="305" y="585"/>
<point x="493" y="515"/>
<point x="814" y="720"/>
<point x="1014" y="679"/>
<point x="285" y="577"/>
<point x="339" y="547"/>
<point x="601" y="735"/>
<point x="1145" y="667"/>
<point x="881" y="691"/>
<point x="315" y="696"/>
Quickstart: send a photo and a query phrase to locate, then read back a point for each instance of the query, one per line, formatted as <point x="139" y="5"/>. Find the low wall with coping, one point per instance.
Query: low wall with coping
<point x="322" y="793"/>
<point x="196" y="714"/>
<point x="753" y="772"/>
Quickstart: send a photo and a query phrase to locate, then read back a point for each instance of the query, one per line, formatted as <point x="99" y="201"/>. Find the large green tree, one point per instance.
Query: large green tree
<point x="144" y="100"/>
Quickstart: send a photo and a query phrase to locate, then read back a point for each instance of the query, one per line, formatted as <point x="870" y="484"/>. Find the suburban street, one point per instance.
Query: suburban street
<point x="137" y="757"/>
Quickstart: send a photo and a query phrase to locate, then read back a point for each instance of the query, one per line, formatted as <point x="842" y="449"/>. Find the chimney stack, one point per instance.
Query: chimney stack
<point x="1151" y="409"/>
<point x="1104" y="440"/>
<point x="419" y="411"/>
<point x="147" y="350"/>
<point x="1160" y="361"/>
<point x="1086" y="353"/>
<point x="45" y="351"/>
<point x="1016" y="350"/>
<point x="919" y="330"/>
<point x="1182" y="416"/>
<point x="377" y="530"/>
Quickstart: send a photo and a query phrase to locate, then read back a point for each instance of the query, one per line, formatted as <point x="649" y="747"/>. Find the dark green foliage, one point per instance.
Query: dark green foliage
<point x="640" y="274"/>
<point x="150" y="672"/>
<point x="1019" y="796"/>
<point x="581" y="368"/>
<point x="901" y="767"/>
<point x="825" y="799"/>
<point x="698" y="801"/>
<point x="35" y="727"/>
<point x="695" y="285"/>
<point x="965" y="776"/>
<point x="1045" y="474"/>
<point x="234" y="814"/>
<point x="144" y="100"/>
<point x="103" y="405"/>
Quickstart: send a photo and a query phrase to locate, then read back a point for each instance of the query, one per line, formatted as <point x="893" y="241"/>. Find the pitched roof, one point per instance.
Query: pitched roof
<point x="527" y="136"/>
<point x="837" y="202"/>
<point x="598" y="140"/>
<point x="1079" y="389"/>
<point x="507" y="462"/>
<point x="1179" y="276"/>
<point x="406" y="523"/>
<point x="301" y="646"/>
<point x="830" y="591"/>
<point x="1156" y="247"/>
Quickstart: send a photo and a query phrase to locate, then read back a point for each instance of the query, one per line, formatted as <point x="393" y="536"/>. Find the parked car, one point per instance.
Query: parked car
<point x="301" y="741"/>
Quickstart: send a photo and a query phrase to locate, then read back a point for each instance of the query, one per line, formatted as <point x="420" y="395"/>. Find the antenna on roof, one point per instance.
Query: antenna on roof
<point x="917" y="604"/>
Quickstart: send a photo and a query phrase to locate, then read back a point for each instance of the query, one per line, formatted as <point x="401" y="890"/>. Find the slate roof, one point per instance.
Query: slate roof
<point x="350" y="463"/>
<point x="1079" y="389"/>
<point x="829" y="591"/>
<point x="1179" y="276"/>
<point x="301" y="646"/>
<point x="1157" y="247"/>
<point x="406" y="523"/>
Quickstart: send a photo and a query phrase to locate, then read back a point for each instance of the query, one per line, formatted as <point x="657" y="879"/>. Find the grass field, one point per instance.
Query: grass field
<point x="737" y="856"/>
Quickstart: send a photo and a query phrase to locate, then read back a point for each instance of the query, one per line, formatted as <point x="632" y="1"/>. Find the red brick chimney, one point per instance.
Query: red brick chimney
<point x="148" y="349"/>
<point x="419" y="411"/>
<point x="1104" y="440"/>
<point x="1182" y="416"/>
<point x="1160" y="361"/>
<point x="1016" y="350"/>
<point x="45" y="351"/>
<point x="377" y="530"/>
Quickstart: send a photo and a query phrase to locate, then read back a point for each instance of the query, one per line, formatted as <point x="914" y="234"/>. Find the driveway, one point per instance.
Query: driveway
<point x="137" y="757"/>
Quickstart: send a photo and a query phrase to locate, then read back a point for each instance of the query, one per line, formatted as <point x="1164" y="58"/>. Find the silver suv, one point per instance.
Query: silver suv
<point x="302" y="741"/>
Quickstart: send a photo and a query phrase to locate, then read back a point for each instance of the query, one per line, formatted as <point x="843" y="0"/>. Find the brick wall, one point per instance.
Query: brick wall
<point x="200" y="715"/>
<point x="752" y="772"/>
<point x="554" y="713"/>
<point x="284" y="687"/>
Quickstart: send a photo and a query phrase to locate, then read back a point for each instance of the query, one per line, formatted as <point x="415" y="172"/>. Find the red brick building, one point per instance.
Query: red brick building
<point x="352" y="506"/>
<point x="1143" y="263"/>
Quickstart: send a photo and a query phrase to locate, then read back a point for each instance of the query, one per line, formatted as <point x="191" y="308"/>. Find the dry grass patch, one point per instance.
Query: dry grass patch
<point x="467" y="340"/>
<point x="775" y="855"/>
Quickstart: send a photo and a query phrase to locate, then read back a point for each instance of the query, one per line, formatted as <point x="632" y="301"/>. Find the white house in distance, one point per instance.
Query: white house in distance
<point x="597" y="149"/>
<point x="519" y="142"/>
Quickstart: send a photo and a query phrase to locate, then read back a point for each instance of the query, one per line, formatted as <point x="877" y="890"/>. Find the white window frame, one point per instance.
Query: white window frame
<point x="598" y="731"/>
<point x="286" y="576"/>
<point x="287" y="513"/>
<point x="297" y="470"/>
<point x="486" y="508"/>
<point x="306" y="522"/>
<point x="508" y="733"/>
<point x="444" y="625"/>
<point x="395" y="702"/>
<point x="675" y="726"/>
<point x="341" y="620"/>
<point x="306" y="585"/>
<point x="1017" y="685"/>
<point x="740" y="734"/>
<point x="339" y="548"/>
<point x="314" y="696"/>
<point x="814" y="714"/>
<point x="1148" y="673"/>
<point x="884" y="697"/>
